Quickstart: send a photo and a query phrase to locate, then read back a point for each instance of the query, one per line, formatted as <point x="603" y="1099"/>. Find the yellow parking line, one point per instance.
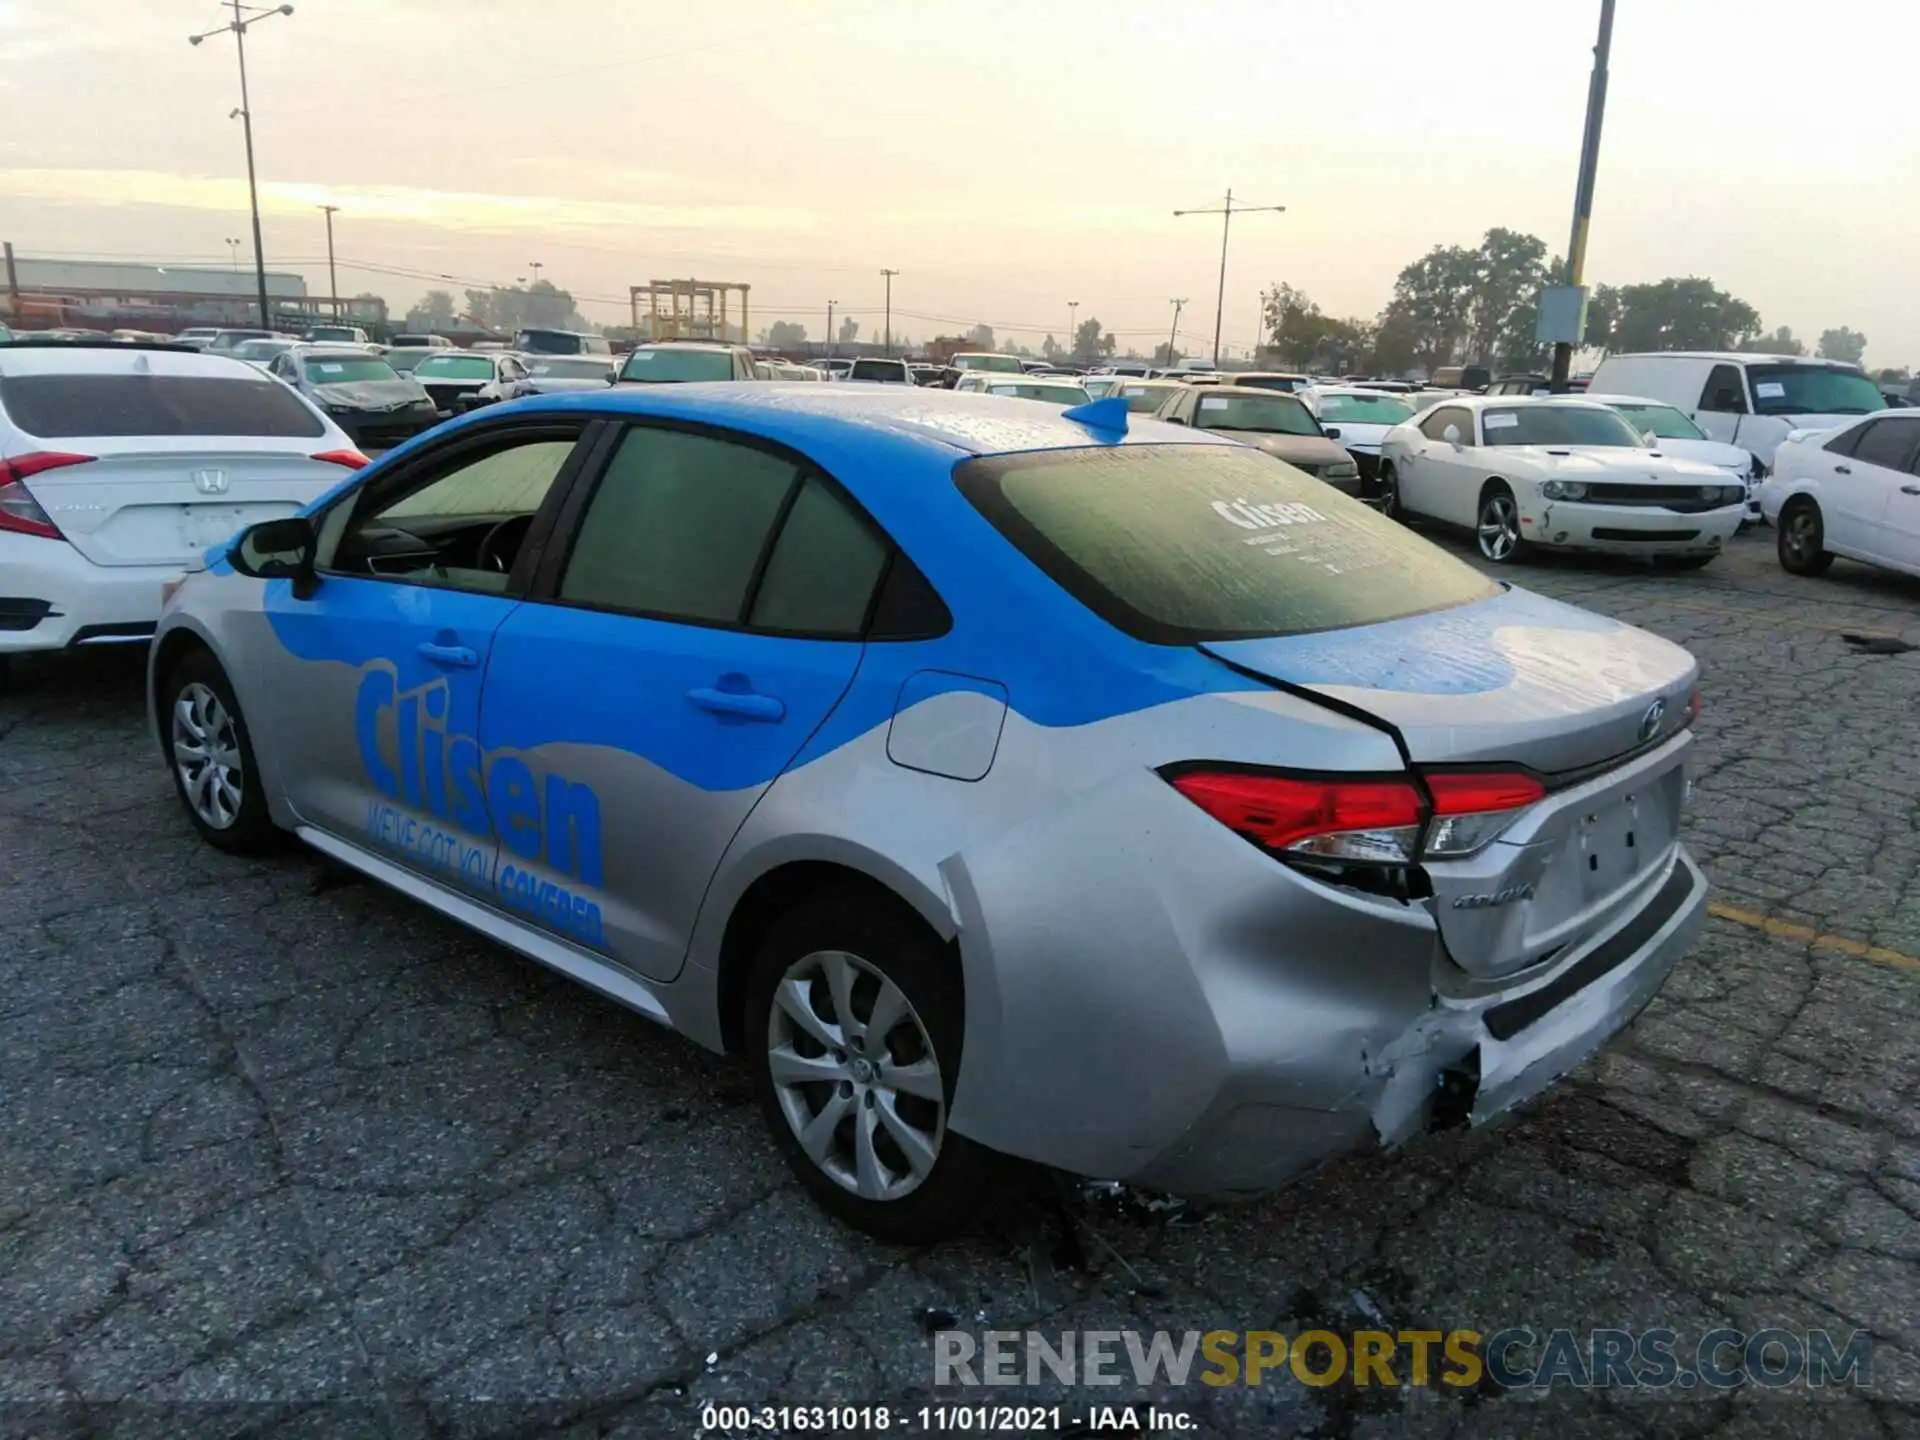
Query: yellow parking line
<point x="1807" y="935"/>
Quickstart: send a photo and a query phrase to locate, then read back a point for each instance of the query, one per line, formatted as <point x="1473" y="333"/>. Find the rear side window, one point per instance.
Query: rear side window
<point x="825" y="565"/>
<point x="1175" y="544"/>
<point x="51" y="406"/>
<point x="677" y="526"/>
<point x="1888" y="443"/>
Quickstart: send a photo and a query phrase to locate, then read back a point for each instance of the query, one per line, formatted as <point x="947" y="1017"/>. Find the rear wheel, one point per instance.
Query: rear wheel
<point x="211" y="757"/>
<point x="1498" y="530"/>
<point x="1802" y="539"/>
<point x="853" y="1028"/>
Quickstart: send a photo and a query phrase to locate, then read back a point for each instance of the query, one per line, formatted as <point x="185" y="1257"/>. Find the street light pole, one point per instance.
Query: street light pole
<point x="1073" y="327"/>
<point x="889" y="274"/>
<point x="333" y="280"/>
<point x="1583" y="188"/>
<point x="1226" y="214"/>
<point x="1174" y="334"/>
<point x="830" y="305"/>
<point x="233" y="252"/>
<point x="536" y="267"/>
<point x="243" y="16"/>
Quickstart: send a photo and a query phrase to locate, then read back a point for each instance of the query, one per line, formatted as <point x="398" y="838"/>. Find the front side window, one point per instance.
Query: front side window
<point x="1179" y="543"/>
<point x="458" y="524"/>
<point x="677" y="526"/>
<point x="1556" y="425"/>
<point x="1723" y="394"/>
<point x="1812" y="390"/>
<point x="1434" y="427"/>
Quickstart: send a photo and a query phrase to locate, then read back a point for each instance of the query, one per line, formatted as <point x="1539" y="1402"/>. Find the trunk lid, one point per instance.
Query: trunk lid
<point x="170" y="507"/>
<point x="1595" y="707"/>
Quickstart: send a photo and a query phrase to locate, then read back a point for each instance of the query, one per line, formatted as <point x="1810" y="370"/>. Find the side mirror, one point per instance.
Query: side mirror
<point x="1173" y="420"/>
<point x="1651" y="440"/>
<point x="277" y="550"/>
<point x="1452" y="436"/>
<point x="1333" y="432"/>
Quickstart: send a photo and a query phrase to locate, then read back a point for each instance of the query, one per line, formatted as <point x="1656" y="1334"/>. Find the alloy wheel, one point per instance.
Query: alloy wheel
<point x="855" y="1075"/>
<point x="206" y="755"/>
<point x="1801" y="536"/>
<point x="1499" y="528"/>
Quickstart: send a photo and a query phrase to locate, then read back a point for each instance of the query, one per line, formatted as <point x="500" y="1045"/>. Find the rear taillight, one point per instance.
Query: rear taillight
<point x="1362" y="819"/>
<point x="1693" y="706"/>
<point x="1470" y="807"/>
<point x="1373" y="821"/>
<point x="352" y="459"/>
<point x="20" y="513"/>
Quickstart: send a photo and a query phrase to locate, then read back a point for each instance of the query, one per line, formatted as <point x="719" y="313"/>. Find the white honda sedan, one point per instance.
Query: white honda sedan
<point x="1529" y="474"/>
<point x="121" y="464"/>
<point x="1852" y="491"/>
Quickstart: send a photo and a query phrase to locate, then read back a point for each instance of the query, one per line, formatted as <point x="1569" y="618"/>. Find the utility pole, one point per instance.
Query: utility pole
<point x="1073" y="327"/>
<point x="333" y="280"/>
<point x="1583" y="189"/>
<point x="1259" y="330"/>
<point x="243" y="16"/>
<point x="889" y="274"/>
<point x="1174" y="334"/>
<point x="13" y="284"/>
<point x="830" y="305"/>
<point x="1226" y="214"/>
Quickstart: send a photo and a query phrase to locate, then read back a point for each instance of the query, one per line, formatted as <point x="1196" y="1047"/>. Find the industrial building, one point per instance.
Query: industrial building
<point x="107" y="295"/>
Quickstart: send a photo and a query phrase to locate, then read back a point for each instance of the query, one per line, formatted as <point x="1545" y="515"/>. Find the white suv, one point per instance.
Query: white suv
<point x="120" y="465"/>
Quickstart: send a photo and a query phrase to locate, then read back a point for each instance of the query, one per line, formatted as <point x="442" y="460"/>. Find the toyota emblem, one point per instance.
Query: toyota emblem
<point x="1650" y="722"/>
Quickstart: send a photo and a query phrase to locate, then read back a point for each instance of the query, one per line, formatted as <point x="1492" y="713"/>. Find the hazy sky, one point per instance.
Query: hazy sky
<point x="1007" y="156"/>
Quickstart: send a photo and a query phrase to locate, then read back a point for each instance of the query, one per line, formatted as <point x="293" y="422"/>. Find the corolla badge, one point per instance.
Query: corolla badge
<point x="210" y="482"/>
<point x="1650" y="722"/>
<point x="1490" y="899"/>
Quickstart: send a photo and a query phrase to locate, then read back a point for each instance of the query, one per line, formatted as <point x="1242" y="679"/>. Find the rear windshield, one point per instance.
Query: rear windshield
<point x="1363" y="410"/>
<point x="1552" y="424"/>
<point x="1267" y="414"/>
<point x="1812" y="390"/>
<point x="334" y="332"/>
<point x="58" y="405"/>
<point x="1270" y="382"/>
<point x="573" y="369"/>
<point x="549" y="342"/>
<point x="877" y="370"/>
<point x="1002" y="364"/>
<point x="455" y="367"/>
<point x="671" y="364"/>
<point x="1035" y="390"/>
<point x="339" y="369"/>
<point x="1180" y="543"/>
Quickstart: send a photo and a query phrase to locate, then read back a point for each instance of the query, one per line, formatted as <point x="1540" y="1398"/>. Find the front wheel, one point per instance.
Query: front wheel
<point x="211" y="757"/>
<point x="1802" y="539"/>
<point x="1390" y="493"/>
<point x="854" y="1025"/>
<point x="1498" y="529"/>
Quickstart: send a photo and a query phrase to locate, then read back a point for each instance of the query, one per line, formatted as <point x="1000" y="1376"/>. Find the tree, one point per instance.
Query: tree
<point x="786" y="335"/>
<point x="849" y="330"/>
<point x="1089" y="343"/>
<point x="1670" y="314"/>
<point x="1166" y="357"/>
<point x="1430" y="304"/>
<point x="433" y="312"/>
<point x="1503" y="299"/>
<point x="1301" y="337"/>
<point x="1781" y="342"/>
<point x="1842" y="344"/>
<point x="1051" y="349"/>
<point x="981" y="337"/>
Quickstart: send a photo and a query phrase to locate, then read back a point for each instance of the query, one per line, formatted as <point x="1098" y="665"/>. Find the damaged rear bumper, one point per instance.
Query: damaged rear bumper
<point x="1476" y="1053"/>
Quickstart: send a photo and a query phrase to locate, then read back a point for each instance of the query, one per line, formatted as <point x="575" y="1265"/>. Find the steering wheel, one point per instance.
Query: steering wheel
<point x="495" y="552"/>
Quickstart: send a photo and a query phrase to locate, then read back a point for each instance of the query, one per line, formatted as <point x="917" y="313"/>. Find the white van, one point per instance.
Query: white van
<point x="1752" y="401"/>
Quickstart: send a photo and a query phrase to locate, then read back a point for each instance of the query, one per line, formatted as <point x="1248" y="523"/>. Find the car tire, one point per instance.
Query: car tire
<point x="1801" y="538"/>
<point x="877" y="1155"/>
<point x="1390" y="494"/>
<point x="210" y="756"/>
<point x="1497" y="526"/>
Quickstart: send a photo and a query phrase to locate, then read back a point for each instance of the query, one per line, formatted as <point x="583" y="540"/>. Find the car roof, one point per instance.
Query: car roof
<point x="120" y="358"/>
<point x="1730" y="357"/>
<point x="323" y="349"/>
<point x="1508" y="402"/>
<point x="721" y="345"/>
<point x="1362" y="392"/>
<point x="1619" y="399"/>
<point x="954" y="421"/>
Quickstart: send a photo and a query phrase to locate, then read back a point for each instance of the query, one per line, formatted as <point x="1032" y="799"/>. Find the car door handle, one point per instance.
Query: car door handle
<point x="451" y="656"/>
<point x="1910" y="489"/>
<point x="1843" y="469"/>
<point x="745" y="704"/>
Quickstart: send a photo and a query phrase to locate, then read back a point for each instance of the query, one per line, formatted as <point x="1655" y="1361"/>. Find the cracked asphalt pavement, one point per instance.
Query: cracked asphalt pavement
<point x="286" y="1153"/>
